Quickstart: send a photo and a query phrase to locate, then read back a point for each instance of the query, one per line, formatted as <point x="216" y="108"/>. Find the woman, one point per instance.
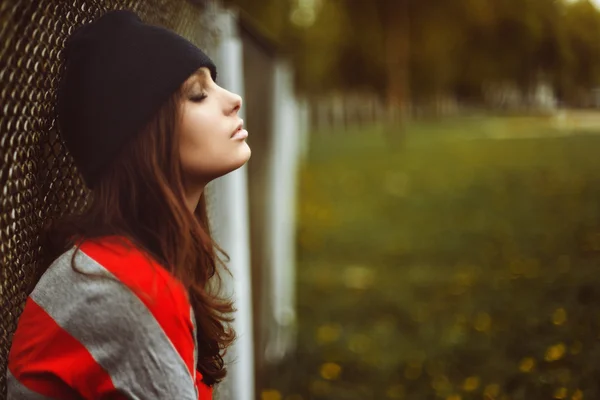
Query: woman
<point x="127" y="308"/>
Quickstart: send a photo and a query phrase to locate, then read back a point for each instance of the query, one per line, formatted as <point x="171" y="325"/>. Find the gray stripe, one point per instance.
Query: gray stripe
<point x="17" y="391"/>
<point x="117" y="329"/>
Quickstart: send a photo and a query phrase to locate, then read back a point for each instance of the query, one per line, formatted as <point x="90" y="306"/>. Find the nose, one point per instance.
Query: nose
<point x="236" y="103"/>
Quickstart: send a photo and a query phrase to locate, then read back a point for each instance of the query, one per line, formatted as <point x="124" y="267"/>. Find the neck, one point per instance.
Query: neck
<point x="192" y="198"/>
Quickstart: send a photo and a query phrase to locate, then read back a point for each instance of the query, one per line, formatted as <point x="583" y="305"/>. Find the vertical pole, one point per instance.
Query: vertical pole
<point x="283" y="178"/>
<point x="231" y="221"/>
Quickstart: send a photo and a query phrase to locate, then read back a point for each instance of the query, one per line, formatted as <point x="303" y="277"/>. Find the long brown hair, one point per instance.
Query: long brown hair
<point x="141" y="197"/>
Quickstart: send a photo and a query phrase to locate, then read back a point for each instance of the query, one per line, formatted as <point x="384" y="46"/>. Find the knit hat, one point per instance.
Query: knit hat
<point x="118" y="73"/>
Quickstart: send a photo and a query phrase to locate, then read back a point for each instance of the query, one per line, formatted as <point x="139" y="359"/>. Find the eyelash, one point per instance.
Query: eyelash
<point x="198" y="98"/>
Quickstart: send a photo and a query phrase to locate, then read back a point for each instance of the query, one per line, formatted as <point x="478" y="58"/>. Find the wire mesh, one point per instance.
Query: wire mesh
<point x="38" y="180"/>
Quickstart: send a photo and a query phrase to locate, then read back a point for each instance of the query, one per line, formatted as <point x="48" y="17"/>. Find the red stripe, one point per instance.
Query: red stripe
<point x="204" y="392"/>
<point x="48" y="360"/>
<point x="164" y="296"/>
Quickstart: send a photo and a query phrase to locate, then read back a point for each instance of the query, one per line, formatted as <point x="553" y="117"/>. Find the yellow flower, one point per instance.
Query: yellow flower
<point x="270" y="394"/>
<point x="358" y="277"/>
<point x="328" y="333"/>
<point x="492" y="390"/>
<point x="527" y="364"/>
<point x="577" y="395"/>
<point x="331" y="371"/>
<point x="555" y="352"/>
<point x="560" y="393"/>
<point x="471" y="384"/>
<point x="559" y="317"/>
<point x="359" y="343"/>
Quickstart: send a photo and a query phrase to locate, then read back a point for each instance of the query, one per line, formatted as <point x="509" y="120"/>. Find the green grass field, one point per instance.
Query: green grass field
<point x="448" y="265"/>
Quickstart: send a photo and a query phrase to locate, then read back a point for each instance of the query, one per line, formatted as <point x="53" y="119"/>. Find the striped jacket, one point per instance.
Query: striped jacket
<point x="122" y="330"/>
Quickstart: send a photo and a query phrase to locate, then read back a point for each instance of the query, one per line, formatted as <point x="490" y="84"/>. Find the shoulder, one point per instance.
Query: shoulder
<point x="119" y="310"/>
<point x="133" y="267"/>
<point x="113" y="278"/>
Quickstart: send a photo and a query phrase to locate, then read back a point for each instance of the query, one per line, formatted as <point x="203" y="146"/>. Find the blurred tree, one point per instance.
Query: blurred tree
<point x="319" y="49"/>
<point x="582" y="69"/>
<point x="395" y="17"/>
<point x="414" y="50"/>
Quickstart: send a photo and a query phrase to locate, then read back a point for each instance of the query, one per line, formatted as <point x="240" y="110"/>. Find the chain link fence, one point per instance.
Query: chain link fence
<point x="38" y="180"/>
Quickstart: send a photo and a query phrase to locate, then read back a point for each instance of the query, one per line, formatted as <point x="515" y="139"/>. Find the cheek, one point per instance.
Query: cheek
<point x="200" y="144"/>
<point x="199" y="131"/>
<point x="194" y="131"/>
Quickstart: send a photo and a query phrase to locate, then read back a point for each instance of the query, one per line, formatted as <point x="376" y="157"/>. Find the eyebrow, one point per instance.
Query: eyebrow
<point x="197" y="78"/>
<point x="202" y="73"/>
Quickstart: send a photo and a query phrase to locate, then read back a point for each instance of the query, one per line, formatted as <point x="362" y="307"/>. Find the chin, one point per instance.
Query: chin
<point x="241" y="158"/>
<point x="241" y="154"/>
<point x="235" y="161"/>
<point x="246" y="152"/>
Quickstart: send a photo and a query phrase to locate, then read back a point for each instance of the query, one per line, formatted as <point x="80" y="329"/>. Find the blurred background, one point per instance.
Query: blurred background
<point x="420" y="218"/>
<point x="448" y="203"/>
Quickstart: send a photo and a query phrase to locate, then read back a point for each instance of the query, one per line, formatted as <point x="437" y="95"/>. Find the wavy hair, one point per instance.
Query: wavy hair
<point x="141" y="197"/>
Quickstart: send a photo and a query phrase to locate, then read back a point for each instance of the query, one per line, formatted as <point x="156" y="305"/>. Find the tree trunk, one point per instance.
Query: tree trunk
<point x="397" y="35"/>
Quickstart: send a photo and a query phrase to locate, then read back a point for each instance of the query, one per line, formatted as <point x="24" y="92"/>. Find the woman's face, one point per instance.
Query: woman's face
<point x="212" y="140"/>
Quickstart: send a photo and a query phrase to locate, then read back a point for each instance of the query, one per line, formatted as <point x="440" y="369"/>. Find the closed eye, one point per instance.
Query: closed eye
<point x="198" y="97"/>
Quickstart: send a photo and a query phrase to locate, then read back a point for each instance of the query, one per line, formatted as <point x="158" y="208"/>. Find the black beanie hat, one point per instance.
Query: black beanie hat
<point x="119" y="71"/>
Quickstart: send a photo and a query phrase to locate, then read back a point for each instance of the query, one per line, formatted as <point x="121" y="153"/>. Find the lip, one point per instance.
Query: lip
<point x="240" y="132"/>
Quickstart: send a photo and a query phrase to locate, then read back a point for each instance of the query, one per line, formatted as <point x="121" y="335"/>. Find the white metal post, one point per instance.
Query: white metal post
<point x="282" y="216"/>
<point x="231" y="221"/>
